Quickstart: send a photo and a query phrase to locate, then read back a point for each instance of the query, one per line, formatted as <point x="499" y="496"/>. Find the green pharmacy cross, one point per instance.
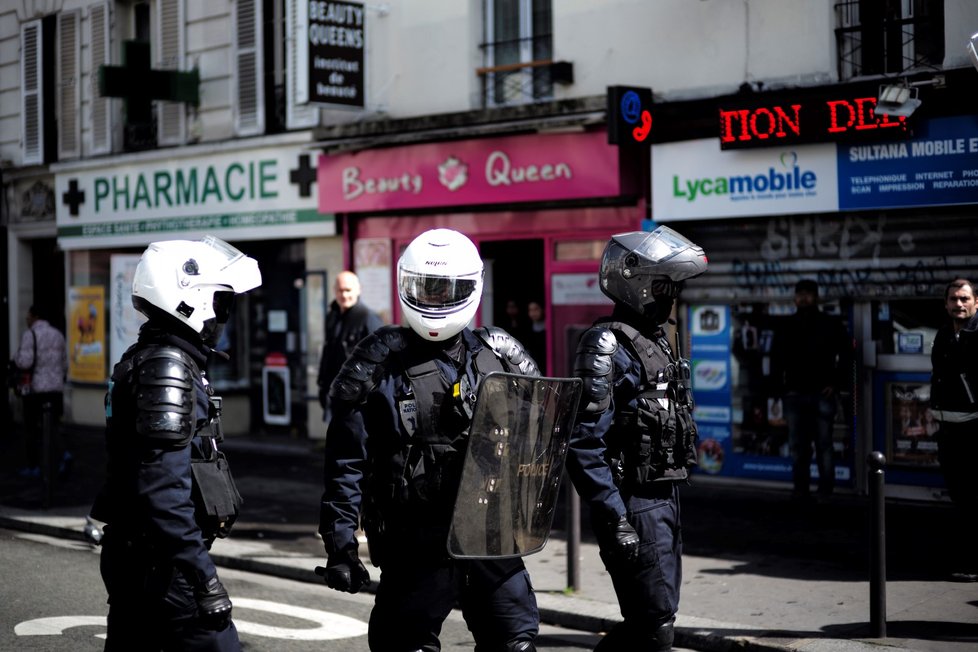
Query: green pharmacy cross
<point x="139" y="84"/>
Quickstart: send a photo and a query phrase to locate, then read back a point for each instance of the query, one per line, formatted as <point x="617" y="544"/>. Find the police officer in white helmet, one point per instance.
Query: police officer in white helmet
<point x="394" y="450"/>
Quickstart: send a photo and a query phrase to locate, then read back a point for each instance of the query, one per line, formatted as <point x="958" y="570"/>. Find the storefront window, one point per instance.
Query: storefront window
<point x="110" y="272"/>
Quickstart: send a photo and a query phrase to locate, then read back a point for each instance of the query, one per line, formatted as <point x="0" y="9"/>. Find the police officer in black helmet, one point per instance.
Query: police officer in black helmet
<point x="403" y="404"/>
<point x="168" y="491"/>
<point x="636" y="440"/>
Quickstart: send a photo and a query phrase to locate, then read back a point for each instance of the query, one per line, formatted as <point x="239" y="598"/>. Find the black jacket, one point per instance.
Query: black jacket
<point x="343" y="331"/>
<point x="954" y="381"/>
<point x="812" y="351"/>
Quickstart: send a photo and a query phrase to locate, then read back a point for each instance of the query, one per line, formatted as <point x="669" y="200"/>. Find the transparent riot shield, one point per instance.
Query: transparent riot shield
<point x="513" y="464"/>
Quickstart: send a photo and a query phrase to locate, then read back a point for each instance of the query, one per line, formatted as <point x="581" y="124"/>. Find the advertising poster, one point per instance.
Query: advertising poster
<point x="710" y="377"/>
<point x="86" y="334"/>
<point x="911" y="426"/>
<point x="372" y="262"/>
<point x="124" y="320"/>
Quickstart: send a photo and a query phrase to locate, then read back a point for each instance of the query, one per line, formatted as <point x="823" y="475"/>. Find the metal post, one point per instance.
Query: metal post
<point x="877" y="571"/>
<point x="47" y="453"/>
<point x="573" y="539"/>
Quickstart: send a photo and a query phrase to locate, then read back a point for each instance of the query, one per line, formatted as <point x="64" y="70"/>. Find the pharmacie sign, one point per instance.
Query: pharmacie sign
<point x="691" y="180"/>
<point x="514" y="169"/>
<point x="244" y="195"/>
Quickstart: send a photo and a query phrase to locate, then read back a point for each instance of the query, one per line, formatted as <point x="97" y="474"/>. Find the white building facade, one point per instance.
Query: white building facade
<point x="128" y="121"/>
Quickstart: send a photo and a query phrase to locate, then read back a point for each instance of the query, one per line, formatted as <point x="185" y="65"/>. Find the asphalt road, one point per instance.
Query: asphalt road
<point x="53" y="599"/>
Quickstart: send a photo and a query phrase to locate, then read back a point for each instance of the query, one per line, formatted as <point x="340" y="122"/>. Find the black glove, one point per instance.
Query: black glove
<point x="213" y="604"/>
<point x="344" y="571"/>
<point x="622" y="540"/>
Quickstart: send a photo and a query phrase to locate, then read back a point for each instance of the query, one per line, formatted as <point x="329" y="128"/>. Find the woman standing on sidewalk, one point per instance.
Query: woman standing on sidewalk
<point x="42" y="352"/>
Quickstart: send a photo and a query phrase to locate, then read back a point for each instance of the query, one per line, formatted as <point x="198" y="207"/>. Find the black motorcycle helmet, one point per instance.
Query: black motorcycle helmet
<point x="645" y="270"/>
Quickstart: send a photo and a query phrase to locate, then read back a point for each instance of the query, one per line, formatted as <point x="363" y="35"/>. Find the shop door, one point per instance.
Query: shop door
<point x="514" y="281"/>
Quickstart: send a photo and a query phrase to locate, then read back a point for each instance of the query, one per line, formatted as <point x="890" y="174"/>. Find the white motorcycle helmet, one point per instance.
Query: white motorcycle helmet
<point x="439" y="282"/>
<point x="194" y="282"/>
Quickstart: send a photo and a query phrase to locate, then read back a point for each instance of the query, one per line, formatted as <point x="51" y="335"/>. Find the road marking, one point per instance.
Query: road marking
<point x="331" y="626"/>
<point x="56" y="625"/>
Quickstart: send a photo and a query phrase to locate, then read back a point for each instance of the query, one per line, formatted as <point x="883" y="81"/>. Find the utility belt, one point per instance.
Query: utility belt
<point x="217" y="502"/>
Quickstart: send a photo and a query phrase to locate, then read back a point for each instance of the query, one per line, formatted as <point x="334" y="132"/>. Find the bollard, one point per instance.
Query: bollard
<point x="877" y="571"/>
<point x="47" y="454"/>
<point x="573" y="539"/>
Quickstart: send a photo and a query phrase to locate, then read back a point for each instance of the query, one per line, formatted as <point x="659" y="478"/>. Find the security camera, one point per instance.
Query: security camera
<point x="972" y="48"/>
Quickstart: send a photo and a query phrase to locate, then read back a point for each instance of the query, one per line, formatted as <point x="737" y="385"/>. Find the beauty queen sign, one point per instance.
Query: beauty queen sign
<point x="528" y="168"/>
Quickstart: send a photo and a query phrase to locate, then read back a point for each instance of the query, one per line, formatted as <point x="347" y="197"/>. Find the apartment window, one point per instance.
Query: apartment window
<point x="883" y="37"/>
<point x="517" y="52"/>
<point x="38" y="58"/>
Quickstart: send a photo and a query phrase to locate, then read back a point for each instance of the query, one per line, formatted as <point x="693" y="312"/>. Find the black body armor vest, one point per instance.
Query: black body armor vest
<point x="152" y="402"/>
<point x="655" y="440"/>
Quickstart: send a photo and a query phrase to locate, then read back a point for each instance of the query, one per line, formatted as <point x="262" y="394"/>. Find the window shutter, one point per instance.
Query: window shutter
<point x="296" y="116"/>
<point x="171" y="116"/>
<point x="33" y="101"/>
<point x="249" y="93"/>
<point x="98" y="15"/>
<point x="69" y="95"/>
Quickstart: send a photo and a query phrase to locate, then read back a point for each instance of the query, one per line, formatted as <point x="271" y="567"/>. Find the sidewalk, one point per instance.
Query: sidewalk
<point x="759" y="573"/>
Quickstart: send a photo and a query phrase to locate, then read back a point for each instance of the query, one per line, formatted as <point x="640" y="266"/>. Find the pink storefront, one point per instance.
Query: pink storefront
<point x="540" y="207"/>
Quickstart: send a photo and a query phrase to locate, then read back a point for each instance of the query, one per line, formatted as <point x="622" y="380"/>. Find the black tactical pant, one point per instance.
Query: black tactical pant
<point x="648" y="589"/>
<point x="416" y="595"/>
<point x="151" y="605"/>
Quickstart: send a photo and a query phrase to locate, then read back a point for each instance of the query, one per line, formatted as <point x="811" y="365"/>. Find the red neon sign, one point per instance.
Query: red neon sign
<point x="798" y="122"/>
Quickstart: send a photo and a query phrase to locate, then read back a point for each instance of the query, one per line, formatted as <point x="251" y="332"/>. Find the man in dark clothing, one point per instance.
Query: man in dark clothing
<point x="635" y="438"/>
<point x="168" y="492"/>
<point x="402" y="407"/>
<point x="813" y="363"/>
<point x="954" y="402"/>
<point x="347" y="322"/>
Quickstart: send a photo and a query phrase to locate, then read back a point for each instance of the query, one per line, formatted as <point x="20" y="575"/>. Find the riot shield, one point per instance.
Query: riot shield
<point x="513" y="464"/>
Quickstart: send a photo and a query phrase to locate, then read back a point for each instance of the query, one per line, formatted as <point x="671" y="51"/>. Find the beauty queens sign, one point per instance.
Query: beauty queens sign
<point x="530" y="168"/>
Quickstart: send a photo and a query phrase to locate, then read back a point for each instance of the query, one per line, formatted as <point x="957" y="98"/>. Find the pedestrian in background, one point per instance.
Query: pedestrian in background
<point x="402" y="408"/>
<point x="812" y="361"/>
<point x="43" y="354"/>
<point x="168" y="492"/>
<point x="347" y="322"/>
<point x="954" y="403"/>
<point x="635" y="439"/>
<point x="536" y="334"/>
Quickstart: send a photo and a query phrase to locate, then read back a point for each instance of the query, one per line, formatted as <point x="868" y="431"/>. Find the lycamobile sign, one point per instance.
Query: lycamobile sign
<point x="695" y="180"/>
<point x="794" y="183"/>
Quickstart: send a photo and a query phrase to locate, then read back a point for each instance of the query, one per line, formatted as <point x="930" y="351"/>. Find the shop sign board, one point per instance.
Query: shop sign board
<point x="512" y="169"/>
<point x="694" y="180"/>
<point x="784" y="120"/>
<point x="938" y="166"/>
<point x="235" y="195"/>
<point x="330" y="39"/>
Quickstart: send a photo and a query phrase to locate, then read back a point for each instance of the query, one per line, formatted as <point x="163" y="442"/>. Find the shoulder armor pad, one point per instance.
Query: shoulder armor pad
<point x="360" y="372"/>
<point x="508" y="348"/>
<point x="163" y="387"/>
<point x="593" y="364"/>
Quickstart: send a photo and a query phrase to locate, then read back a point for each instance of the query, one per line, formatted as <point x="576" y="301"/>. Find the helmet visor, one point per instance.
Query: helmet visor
<point x="223" y="249"/>
<point x="436" y="294"/>
<point x="661" y="244"/>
